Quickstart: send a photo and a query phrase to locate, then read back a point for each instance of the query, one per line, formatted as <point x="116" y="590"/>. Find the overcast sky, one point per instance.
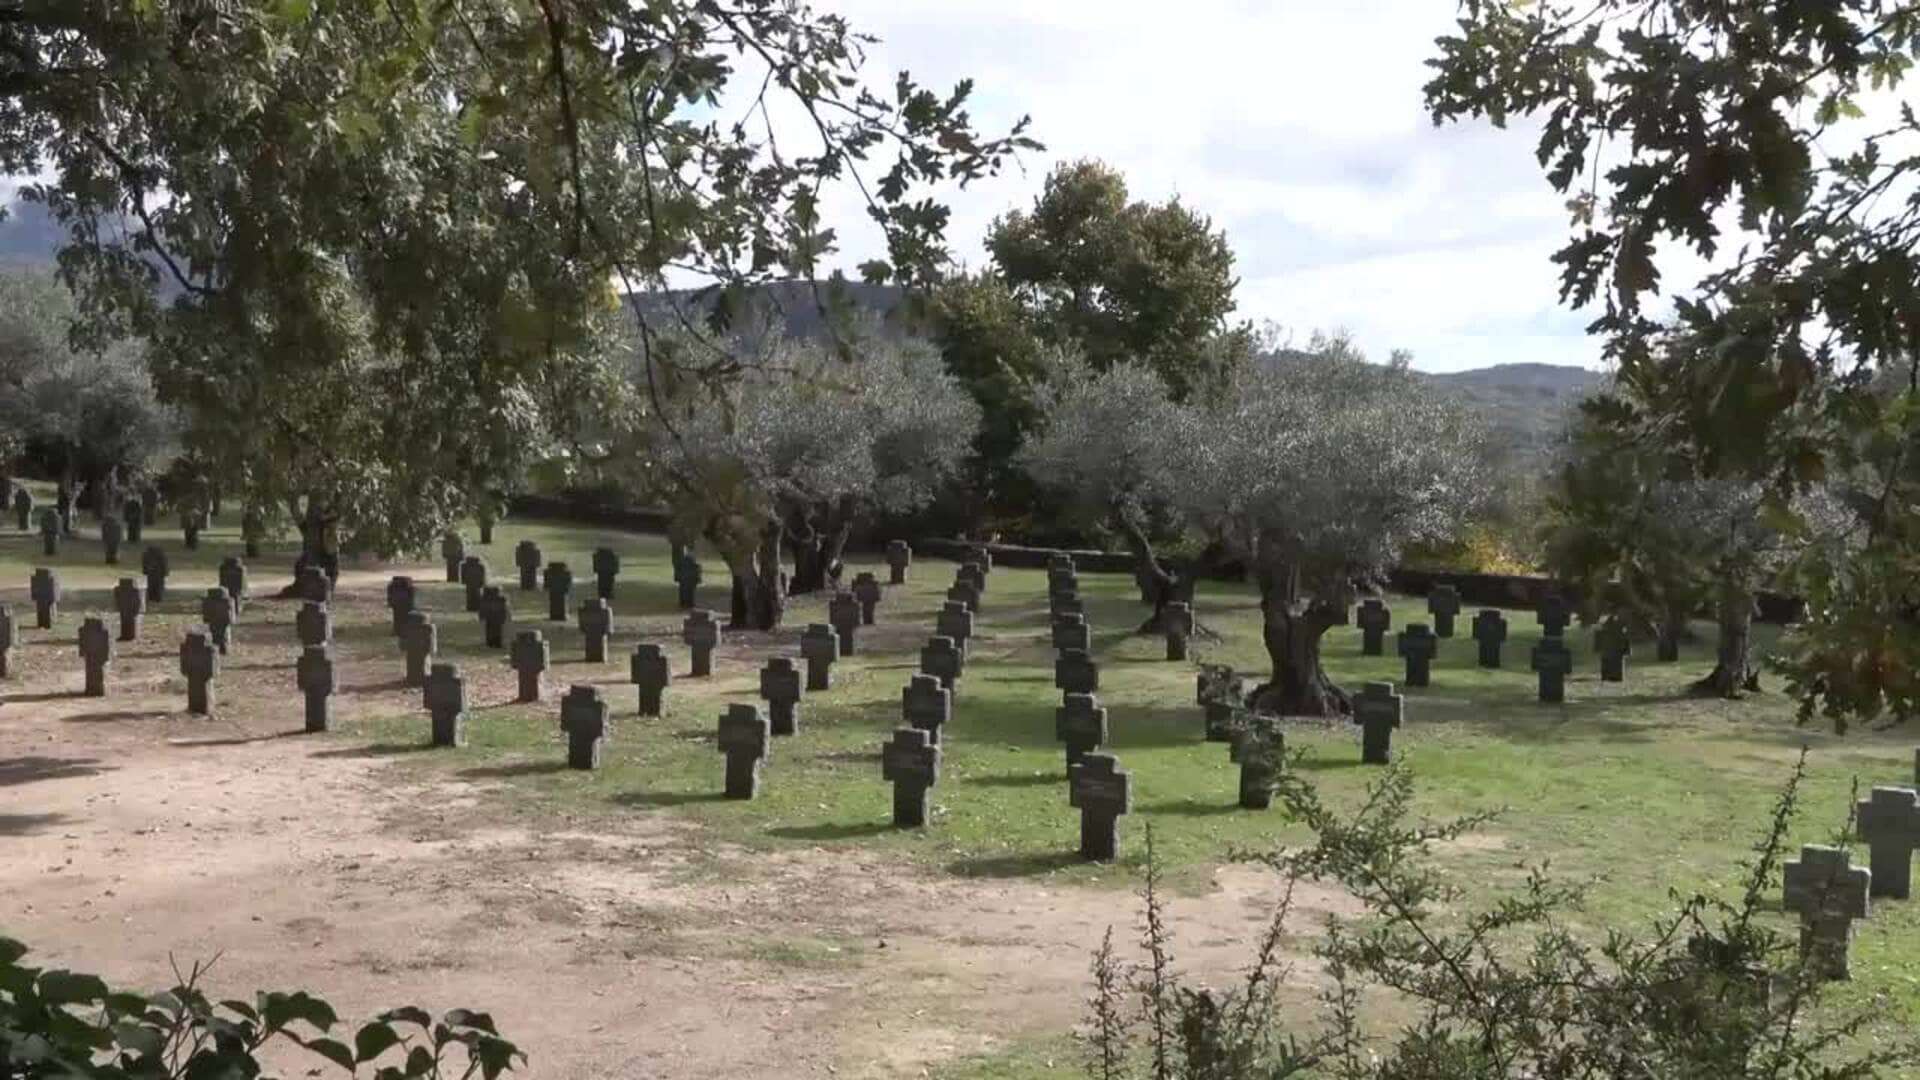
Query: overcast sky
<point x="1298" y="126"/>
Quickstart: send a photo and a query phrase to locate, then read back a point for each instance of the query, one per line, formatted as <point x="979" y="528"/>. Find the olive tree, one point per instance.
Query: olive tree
<point x="1317" y="472"/>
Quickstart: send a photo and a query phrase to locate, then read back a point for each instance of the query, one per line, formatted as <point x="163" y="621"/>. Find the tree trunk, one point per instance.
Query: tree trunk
<point x="817" y="548"/>
<point x="770" y="592"/>
<point x="1161" y="586"/>
<point x="1300" y="686"/>
<point x="1733" y="673"/>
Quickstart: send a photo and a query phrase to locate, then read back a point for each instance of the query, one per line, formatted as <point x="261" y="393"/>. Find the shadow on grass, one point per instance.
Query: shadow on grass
<point x="375" y="750"/>
<point x="1018" y="780"/>
<point x="832" y="831"/>
<point x="375" y="688"/>
<point x="667" y="798"/>
<point x="1025" y="864"/>
<point x="1193" y="808"/>
<point x="48" y="695"/>
<point x="235" y="740"/>
<point x="517" y="768"/>
<point x="35" y="767"/>
<point x="27" y="824"/>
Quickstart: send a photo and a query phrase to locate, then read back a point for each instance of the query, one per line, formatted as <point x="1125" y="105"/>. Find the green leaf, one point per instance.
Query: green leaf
<point x="374" y="1039"/>
<point x="333" y="1050"/>
<point x="11" y="950"/>
<point x="67" y="988"/>
<point x="468" y="1018"/>
<point x="278" y="1010"/>
<point x="408" y="1014"/>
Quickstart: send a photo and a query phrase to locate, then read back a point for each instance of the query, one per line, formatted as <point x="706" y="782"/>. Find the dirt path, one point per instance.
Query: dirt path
<point x="130" y="834"/>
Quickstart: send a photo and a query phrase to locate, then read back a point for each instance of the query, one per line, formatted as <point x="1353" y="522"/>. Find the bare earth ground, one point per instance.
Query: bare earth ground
<point x="132" y="836"/>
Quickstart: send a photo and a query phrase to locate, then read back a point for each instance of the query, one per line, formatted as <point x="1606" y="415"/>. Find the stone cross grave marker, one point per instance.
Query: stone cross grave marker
<point x="596" y="626"/>
<point x="131" y="603"/>
<point x="527" y="558"/>
<point x="233" y="578"/>
<point x="445" y="697"/>
<point x="942" y="659"/>
<point x="312" y="584"/>
<point x="1553" y="662"/>
<point x="927" y="705"/>
<point x="50" y="531"/>
<point x="44" y="588"/>
<point x="111" y="533"/>
<point x="496" y="611"/>
<point x="606" y="567"/>
<point x="649" y="670"/>
<point x="867" y="592"/>
<point x="1889" y="821"/>
<point x="955" y="621"/>
<point x="483" y="516"/>
<point x="1102" y="791"/>
<point x="23" y="508"/>
<point x="419" y="640"/>
<point x="192" y="521"/>
<point x="1375" y="619"/>
<point x="982" y="554"/>
<point x="911" y="763"/>
<point x="1059" y="560"/>
<point x="583" y="714"/>
<point x="1072" y="632"/>
<point x="153" y="565"/>
<point x="1065" y="603"/>
<point x="1377" y="708"/>
<point x="1176" y="622"/>
<point x="687" y="574"/>
<point x="701" y="634"/>
<point x="1614" y="646"/>
<point x="843" y="614"/>
<point x="558" y="581"/>
<point x="964" y="594"/>
<point x="9" y="637"/>
<point x="1080" y="724"/>
<point x="974" y="574"/>
<point x="453" y="549"/>
<point x="1074" y="672"/>
<point x="313" y="673"/>
<point x="216" y="610"/>
<point x="473" y="578"/>
<point x="1552" y="615"/>
<point x="899" y="558"/>
<point x="313" y="625"/>
<point x="1417" y="645"/>
<point x="1828" y="893"/>
<point x="1262" y="750"/>
<point x="1443" y="603"/>
<point x="529" y="657"/>
<point x="402" y="598"/>
<point x="133" y="519"/>
<point x="780" y="688"/>
<point x="96" y="652"/>
<point x="1063" y="580"/>
<point x="253" y="529"/>
<point x="744" y="737"/>
<point x="1489" y="633"/>
<point x="820" y="647"/>
<point x="199" y="663"/>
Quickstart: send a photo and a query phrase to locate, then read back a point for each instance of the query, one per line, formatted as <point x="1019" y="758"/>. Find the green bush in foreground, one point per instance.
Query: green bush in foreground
<point x="62" y="1024"/>
<point x="1422" y="988"/>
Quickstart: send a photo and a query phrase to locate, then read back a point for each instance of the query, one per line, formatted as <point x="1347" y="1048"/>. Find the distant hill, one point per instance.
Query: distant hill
<point x="1525" y="405"/>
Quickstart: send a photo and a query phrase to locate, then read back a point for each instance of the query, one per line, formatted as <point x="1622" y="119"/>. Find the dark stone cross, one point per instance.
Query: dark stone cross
<point x="1102" y="791"/>
<point x="1263" y="754"/>
<point x="927" y="705"/>
<point x="1222" y="694"/>
<point x="1377" y="708"/>
<point x="686" y="574"/>
<point x="1417" y="645"/>
<point x="311" y="583"/>
<point x="1443" y="603"/>
<point x="943" y="660"/>
<point x="1065" y="603"/>
<point x="955" y="621"/>
<point x="649" y="670"/>
<point x="1059" y="560"/>
<point x="233" y="578"/>
<point x="867" y="592"/>
<point x="153" y="564"/>
<point x="1489" y="632"/>
<point x="96" y="652"/>
<point x="111" y="533"/>
<point x="701" y="635"/>
<point x="1081" y="724"/>
<point x="9" y="637"/>
<point x="1552" y="615"/>
<point x="529" y="659"/>
<point x="495" y="612"/>
<point x="192" y="521"/>
<point x="1176" y="622"/>
<point x="558" y="582"/>
<point x="1072" y="632"/>
<point x="44" y="588"/>
<point x="982" y="554"/>
<point x="216" y="610"/>
<point x="419" y="640"/>
<point x="313" y="624"/>
<point x="911" y="763"/>
<point x="50" y="531"/>
<point x="606" y="567"/>
<point x="453" y="550"/>
<point x="1889" y="821"/>
<point x="253" y="529"/>
<point x="133" y="518"/>
<point x="843" y="614"/>
<point x="964" y="594"/>
<point x="527" y="558"/>
<point x="1614" y="645"/>
<point x="445" y="697"/>
<point x="1374" y="620"/>
<point x="199" y="663"/>
<point x="473" y="578"/>
<point x="401" y="598"/>
<point x="1828" y="893"/>
<point x="1062" y="581"/>
<point x="1074" y="672"/>
<point x="899" y="558"/>
<point x="583" y="715"/>
<point x="780" y="688"/>
<point x="313" y="673"/>
<point x="974" y="574"/>
<point x="1553" y="662"/>
<point x="820" y="647"/>
<point x="596" y="626"/>
<point x="131" y="603"/>
<point x="23" y="508"/>
<point x="744" y="737"/>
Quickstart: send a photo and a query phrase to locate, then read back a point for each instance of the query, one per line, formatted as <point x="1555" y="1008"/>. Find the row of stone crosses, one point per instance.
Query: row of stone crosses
<point x="1551" y="659"/>
<point x="137" y="514"/>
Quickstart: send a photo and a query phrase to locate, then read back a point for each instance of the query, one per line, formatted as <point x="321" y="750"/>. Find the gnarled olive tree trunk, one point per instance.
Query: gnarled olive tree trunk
<point x="759" y="584"/>
<point x="818" y="546"/>
<point x="1733" y="671"/>
<point x="1160" y="585"/>
<point x="1292" y="630"/>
